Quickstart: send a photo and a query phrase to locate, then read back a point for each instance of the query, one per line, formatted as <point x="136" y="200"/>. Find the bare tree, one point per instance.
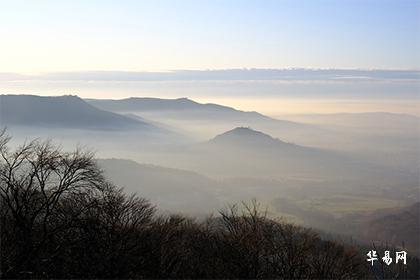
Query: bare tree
<point x="34" y="180"/>
<point x="59" y="218"/>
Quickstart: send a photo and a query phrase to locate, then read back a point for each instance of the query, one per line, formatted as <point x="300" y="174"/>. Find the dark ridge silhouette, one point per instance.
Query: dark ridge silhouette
<point x="184" y="108"/>
<point x="150" y="104"/>
<point x="61" y="111"/>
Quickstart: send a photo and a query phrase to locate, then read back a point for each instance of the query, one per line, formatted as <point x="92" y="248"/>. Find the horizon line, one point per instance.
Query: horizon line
<point x="227" y="74"/>
<point x="210" y="70"/>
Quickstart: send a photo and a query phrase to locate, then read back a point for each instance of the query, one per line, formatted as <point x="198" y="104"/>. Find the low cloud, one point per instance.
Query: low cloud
<point x="224" y="75"/>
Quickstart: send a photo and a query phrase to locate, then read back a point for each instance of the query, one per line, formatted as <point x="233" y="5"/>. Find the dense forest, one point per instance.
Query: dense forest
<point x="60" y="218"/>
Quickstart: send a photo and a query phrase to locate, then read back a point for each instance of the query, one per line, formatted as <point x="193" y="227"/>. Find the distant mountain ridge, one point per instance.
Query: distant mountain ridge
<point x="248" y="151"/>
<point x="246" y="135"/>
<point x="179" y="108"/>
<point x="61" y="111"/>
<point x="151" y="103"/>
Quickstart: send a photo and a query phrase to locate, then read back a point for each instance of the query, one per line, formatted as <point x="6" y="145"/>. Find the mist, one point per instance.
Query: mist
<point x="210" y="139"/>
<point x="320" y="170"/>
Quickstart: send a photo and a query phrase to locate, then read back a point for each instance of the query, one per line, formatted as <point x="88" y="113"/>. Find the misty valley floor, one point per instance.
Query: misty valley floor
<point x="349" y="177"/>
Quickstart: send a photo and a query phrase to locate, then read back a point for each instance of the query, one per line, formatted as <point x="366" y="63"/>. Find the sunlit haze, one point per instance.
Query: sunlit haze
<point x="109" y="49"/>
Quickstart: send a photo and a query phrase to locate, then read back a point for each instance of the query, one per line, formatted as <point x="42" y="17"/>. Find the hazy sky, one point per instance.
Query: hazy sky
<point x="54" y="36"/>
<point x="116" y="49"/>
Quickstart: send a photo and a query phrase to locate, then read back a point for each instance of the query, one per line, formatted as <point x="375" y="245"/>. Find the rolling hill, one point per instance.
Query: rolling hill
<point x="242" y="136"/>
<point x="170" y="188"/>
<point x="245" y="151"/>
<point x="62" y="112"/>
<point x="185" y="109"/>
<point x="398" y="226"/>
<point x="205" y="120"/>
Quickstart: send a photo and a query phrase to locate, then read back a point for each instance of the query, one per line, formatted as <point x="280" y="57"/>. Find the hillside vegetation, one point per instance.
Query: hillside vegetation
<point x="61" y="219"/>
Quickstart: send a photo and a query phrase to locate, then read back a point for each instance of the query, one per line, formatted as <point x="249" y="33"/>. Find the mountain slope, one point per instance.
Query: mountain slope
<point x="249" y="141"/>
<point x="397" y="226"/>
<point x="149" y="104"/>
<point x="240" y="136"/>
<point x="205" y="120"/>
<point x="244" y="151"/>
<point x="61" y="111"/>
<point x="181" y="108"/>
<point x="169" y="188"/>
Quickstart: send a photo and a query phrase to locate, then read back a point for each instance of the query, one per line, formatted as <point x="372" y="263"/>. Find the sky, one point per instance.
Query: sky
<point x="39" y="36"/>
<point x="334" y="51"/>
